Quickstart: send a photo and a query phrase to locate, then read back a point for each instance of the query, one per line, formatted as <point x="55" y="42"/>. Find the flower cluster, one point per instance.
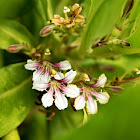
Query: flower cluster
<point x="68" y="21"/>
<point x="56" y="84"/>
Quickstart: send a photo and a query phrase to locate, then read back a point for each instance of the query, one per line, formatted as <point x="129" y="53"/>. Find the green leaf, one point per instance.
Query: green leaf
<point x="13" y="135"/>
<point x="12" y="32"/>
<point x="16" y="96"/>
<point x="101" y="21"/>
<point x="119" y="119"/>
<point x="14" y="8"/>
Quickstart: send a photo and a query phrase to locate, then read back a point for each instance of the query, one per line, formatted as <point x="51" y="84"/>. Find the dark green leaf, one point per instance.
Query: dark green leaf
<point x="14" y="8"/>
<point x="16" y="96"/>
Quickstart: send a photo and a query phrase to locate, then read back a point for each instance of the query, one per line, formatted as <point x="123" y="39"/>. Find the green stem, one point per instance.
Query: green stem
<point x="127" y="73"/>
<point x="13" y="135"/>
<point x="50" y="16"/>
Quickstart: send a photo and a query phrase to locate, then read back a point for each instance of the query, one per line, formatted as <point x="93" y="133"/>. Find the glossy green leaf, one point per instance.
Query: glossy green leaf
<point x="16" y="96"/>
<point x="14" y="8"/>
<point x="104" y="17"/>
<point x="12" y="32"/>
<point x="119" y="119"/>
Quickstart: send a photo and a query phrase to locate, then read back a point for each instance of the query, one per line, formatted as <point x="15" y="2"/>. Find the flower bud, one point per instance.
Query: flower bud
<point x="66" y="9"/>
<point x="15" y="48"/>
<point x="47" y="52"/>
<point x="46" y="30"/>
<point x="86" y="77"/>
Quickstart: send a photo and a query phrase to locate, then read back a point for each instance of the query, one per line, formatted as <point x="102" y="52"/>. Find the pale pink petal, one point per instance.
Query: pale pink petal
<point x="40" y="86"/>
<point x="101" y="81"/>
<point x="60" y="100"/>
<point x="91" y="105"/>
<point x="37" y="73"/>
<point x="102" y="97"/>
<point x="69" y="76"/>
<point x="47" y="99"/>
<point x="80" y="102"/>
<point x="71" y="90"/>
<point x="58" y="76"/>
<point x="32" y="65"/>
<point x="64" y="65"/>
<point x="46" y="76"/>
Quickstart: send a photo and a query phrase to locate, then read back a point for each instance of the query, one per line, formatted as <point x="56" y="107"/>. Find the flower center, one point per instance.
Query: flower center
<point x="47" y="64"/>
<point x="54" y="84"/>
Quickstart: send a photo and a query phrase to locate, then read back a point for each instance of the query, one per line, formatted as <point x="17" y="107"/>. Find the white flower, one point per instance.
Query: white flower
<point x="88" y="93"/>
<point x="56" y="86"/>
<point x="44" y="68"/>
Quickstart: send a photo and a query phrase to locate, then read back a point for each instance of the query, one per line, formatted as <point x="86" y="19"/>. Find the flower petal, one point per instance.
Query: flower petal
<point x="101" y="81"/>
<point x="47" y="99"/>
<point x="69" y="76"/>
<point x="102" y="97"/>
<point x="60" y="100"/>
<point x="32" y="65"/>
<point x="40" y="86"/>
<point x="71" y="90"/>
<point x="91" y="105"/>
<point x="46" y="76"/>
<point x="64" y="65"/>
<point x="37" y="73"/>
<point x="58" y="75"/>
<point x="80" y="102"/>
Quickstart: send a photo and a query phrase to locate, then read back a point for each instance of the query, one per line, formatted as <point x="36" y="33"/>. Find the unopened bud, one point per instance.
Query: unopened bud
<point x="15" y="48"/>
<point x="47" y="52"/>
<point x="46" y="30"/>
<point x="86" y="77"/>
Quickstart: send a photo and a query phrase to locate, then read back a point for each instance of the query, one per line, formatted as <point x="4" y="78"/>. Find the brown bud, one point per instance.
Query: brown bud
<point x="15" y="48"/>
<point x="46" y="30"/>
